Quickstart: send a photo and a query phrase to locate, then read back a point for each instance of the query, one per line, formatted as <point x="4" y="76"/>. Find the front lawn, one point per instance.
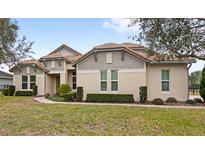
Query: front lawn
<point x="23" y="116"/>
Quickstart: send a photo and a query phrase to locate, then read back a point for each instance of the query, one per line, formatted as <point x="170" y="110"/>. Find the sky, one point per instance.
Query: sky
<point x="80" y="34"/>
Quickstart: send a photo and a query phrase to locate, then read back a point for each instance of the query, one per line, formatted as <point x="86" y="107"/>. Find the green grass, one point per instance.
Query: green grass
<point x="23" y="116"/>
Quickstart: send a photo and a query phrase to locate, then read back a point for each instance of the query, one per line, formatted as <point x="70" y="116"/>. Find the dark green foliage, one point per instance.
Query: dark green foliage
<point x="24" y="93"/>
<point x="47" y="95"/>
<point x="74" y="94"/>
<point x="63" y="89"/>
<point x="56" y="98"/>
<point x="79" y="94"/>
<point x="171" y="100"/>
<point x="202" y="85"/>
<point x="5" y="92"/>
<point x="195" y="77"/>
<point x="11" y="90"/>
<point x="35" y="90"/>
<point x="143" y="94"/>
<point x="158" y="101"/>
<point x="69" y="97"/>
<point x="190" y="101"/>
<point x="110" y="98"/>
<point x="198" y="100"/>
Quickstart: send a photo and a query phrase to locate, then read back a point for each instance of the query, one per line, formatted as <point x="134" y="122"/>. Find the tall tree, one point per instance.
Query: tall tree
<point x="195" y="77"/>
<point x="182" y="37"/>
<point x="202" y="85"/>
<point x="12" y="49"/>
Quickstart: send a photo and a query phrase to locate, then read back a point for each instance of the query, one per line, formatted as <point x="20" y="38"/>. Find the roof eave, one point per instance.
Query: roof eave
<point x="173" y="62"/>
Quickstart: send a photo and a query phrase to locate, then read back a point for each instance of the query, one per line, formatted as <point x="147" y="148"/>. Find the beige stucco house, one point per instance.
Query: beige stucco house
<point x="108" y="68"/>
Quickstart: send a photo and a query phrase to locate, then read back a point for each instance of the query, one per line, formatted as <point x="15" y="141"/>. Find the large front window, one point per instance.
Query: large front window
<point x="165" y="80"/>
<point x="24" y="82"/>
<point x="32" y="81"/>
<point x="114" y="80"/>
<point x="103" y="80"/>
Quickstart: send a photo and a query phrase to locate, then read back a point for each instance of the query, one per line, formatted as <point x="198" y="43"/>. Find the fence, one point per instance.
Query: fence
<point x="4" y="87"/>
<point x="194" y="89"/>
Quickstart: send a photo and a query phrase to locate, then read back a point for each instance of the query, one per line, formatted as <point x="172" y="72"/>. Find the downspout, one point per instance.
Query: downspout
<point x="188" y="79"/>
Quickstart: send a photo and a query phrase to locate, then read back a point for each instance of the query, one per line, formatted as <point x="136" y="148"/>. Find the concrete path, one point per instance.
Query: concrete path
<point x="46" y="101"/>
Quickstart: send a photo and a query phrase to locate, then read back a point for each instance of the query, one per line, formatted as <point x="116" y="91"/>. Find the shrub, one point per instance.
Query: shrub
<point x="158" y="101"/>
<point x="79" y="94"/>
<point x="74" y="94"/>
<point x="69" y="97"/>
<point x="24" y="93"/>
<point x="47" y="95"/>
<point x="35" y="90"/>
<point x="143" y="94"/>
<point x="63" y="89"/>
<point x="112" y="98"/>
<point x="171" y="100"/>
<point x="202" y="85"/>
<point x="198" y="100"/>
<point x="5" y="92"/>
<point x="190" y="101"/>
<point x="11" y="90"/>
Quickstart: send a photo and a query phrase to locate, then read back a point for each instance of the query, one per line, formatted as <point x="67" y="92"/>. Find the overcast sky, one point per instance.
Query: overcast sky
<point x="80" y="34"/>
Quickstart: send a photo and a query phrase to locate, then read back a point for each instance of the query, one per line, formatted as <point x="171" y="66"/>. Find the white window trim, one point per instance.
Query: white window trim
<point x="24" y="82"/>
<point x="114" y="80"/>
<point x="104" y="81"/>
<point x="31" y="81"/>
<point x="165" y="92"/>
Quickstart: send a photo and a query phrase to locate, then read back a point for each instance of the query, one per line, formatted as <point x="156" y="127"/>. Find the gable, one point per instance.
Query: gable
<point x="129" y="62"/>
<point x="65" y="52"/>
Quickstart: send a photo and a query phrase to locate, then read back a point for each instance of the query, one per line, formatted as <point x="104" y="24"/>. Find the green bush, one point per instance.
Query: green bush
<point x="171" y="100"/>
<point x="79" y="94"/>
<point x="24" y="93"/>
<point x="56" y="98"/>
<point x="74" y="94"/>
<point x="190" y="101"/>
<point x="158" y="101"/>
<point x="69" y="97"/>
<point x="111" y="98"/>
<point x="202" y="85"/>
<point x="47" y="95"/>
<point x="5" y="92"/>
<point x="11" y="90"/>
<point x="198" y="100"/>
<point x="143" y="94"/>
<point x="63" y="89"/>
<point x="35" y="90"/>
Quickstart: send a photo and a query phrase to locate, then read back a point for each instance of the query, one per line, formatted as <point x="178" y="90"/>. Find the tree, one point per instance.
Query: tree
<point x="12" y="49"/>
<point x="181" y="37"/>
<point x="195" y="77"/>
<point x="202" y="84"/>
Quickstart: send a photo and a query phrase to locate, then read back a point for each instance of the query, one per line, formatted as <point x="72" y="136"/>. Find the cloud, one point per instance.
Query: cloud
<point x="120" y="25"/>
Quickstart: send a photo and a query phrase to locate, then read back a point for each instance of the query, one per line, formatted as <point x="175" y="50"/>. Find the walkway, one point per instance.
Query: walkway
<point x="46" y="101"/>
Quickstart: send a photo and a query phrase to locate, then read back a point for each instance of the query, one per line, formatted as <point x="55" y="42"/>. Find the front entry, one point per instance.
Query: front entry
<point x="57" y="82"/>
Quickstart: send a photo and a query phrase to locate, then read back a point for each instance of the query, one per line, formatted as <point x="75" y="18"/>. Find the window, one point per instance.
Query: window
<point x="103" y="80"/>
<point x="32" y="81"/>
<point x="165" y="80"/>
<point x="24" y="82"/>
<point x="109" y="57"/>
<point x="52" y="64"/>
<point x="74" y="79"/>
<point x="114" y="80"/>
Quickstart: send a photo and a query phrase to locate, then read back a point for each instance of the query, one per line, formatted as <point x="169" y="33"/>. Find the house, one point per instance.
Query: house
<point x="48" y="72"/>
<point x="6" y="79"/>
<point x="108" y="68"/>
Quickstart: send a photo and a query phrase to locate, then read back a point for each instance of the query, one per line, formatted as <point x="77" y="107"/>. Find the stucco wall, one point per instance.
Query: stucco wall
<point x="129" y="62"/>
<point x="57" y="66"/>
<point x="178" y="81"/>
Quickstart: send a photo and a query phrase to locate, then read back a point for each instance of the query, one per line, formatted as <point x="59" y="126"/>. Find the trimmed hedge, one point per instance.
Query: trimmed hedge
<point x="63" y="89"/>
<point x="112" y="98"/>
<point x="158" y="101"/>
<point x="79" y="94"/>
<point x="198" y="100"/>
<point x="11" y="90"/>
<point x="35" y="90"/>
<point x="171" y="100"/>
<point x="143" y="94"/>
<point x="47" y="95"/>
<point x="69" y="97"/>
<point x="24" y="93"/>
<point x="190" y="101"/>
<point x="5" y="92"/>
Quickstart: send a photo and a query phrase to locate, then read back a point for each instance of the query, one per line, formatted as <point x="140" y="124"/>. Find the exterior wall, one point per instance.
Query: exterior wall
<point x="40" y="79"/>
<point x="117" y="63"/>
<point x="49" y="84"/>
<point x="69" y="78"/>
<point x="57" y="67"/>
<point x="178" y="81"/>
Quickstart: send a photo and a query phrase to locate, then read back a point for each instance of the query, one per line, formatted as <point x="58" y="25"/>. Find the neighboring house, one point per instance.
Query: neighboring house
<point x="6" y="79"/>
<point x="108" y="68"/>
<point x="48" y="72"/>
